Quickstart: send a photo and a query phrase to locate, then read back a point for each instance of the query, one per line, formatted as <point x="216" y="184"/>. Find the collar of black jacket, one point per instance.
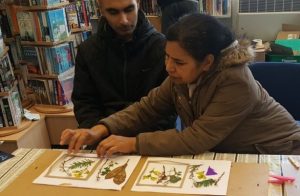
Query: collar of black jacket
<point x="143" y="28"/>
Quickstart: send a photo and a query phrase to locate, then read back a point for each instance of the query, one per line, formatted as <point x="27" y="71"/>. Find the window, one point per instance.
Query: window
<point x="253" y="6"/>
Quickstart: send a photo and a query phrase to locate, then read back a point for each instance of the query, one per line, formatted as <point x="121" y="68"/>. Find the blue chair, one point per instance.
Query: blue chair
<point x="282" y="81"/>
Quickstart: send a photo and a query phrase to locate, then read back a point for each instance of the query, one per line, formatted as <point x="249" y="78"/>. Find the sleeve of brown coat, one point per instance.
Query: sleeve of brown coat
<point x="134" y="119"/>
<point x="233" y="100"/>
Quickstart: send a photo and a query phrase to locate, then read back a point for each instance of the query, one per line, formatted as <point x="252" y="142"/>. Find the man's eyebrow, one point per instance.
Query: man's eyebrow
<point x="129" y="7"/>
<point x="118" y="10"/>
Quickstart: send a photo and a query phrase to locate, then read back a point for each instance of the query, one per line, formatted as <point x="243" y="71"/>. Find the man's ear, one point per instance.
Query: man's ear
<point x="208" y="62"/>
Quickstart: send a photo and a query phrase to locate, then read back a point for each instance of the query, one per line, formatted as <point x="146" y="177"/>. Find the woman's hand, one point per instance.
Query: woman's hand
<point x="114" y="144"/>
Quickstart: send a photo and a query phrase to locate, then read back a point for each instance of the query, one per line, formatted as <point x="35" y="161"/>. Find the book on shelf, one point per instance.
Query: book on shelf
<point x="2" y="45"/>
<point x="11" y="11"/>
<point x="8" y="118"/>
<point x="57" y="23"/>
<point x="41" y="90"/>
<point x="66" y="80"/>
<point x="4" y="23"/>
<point x="217" y="8"/>
<point x="31" y="57"/>
<point x="6" y="74"/>
<point x="62" y="58"/>
<point x="15" y="52"/>
<point x="72" y="16"/>
<point x="49" y="92"/>
<point x="11" y="109"/>
<point x="22" y="2"/>
<point x="26" y="26"/>
<point x="49" y="60"/>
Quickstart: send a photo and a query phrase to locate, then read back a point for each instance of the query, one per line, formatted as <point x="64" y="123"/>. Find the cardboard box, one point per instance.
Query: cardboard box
<point x="288" y="35"/>
<point x="290" y="27"/>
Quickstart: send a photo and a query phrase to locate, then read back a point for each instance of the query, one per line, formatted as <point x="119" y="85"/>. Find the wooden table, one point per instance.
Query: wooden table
<point x="12" y="172"/>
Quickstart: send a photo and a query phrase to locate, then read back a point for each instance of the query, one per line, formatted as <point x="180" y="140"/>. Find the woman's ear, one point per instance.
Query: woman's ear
<point x="208" y="62"/>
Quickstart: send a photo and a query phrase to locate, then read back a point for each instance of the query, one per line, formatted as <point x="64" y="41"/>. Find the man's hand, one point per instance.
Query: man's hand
<point x="114" y="144"/>
<point x="78" y="137"/>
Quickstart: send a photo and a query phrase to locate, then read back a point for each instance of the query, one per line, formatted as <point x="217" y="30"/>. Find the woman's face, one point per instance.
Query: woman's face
<point x="181" y="67"/>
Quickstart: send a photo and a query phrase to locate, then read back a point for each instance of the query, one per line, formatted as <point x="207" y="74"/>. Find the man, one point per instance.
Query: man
<point x="172" y="10"/>
<point x="118" y="65"/>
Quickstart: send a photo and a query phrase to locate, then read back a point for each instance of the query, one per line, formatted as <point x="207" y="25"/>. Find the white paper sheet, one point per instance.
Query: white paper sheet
<point x="88" y="171"/>
<point x="186" y="176"/>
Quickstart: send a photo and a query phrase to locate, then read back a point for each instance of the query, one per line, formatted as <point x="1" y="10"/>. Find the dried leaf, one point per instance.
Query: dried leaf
<point x="118" y="174"/>
<point x="120" y="177"/>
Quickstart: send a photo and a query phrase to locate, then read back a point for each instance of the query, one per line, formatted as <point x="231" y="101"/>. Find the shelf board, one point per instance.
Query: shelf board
<point x="95" y="17"/>
<point x="4" y="52"/>
<point x="27" y="103"/>
<point x="5" y="131"/>
<point x="51" y="109"/>
<point x="9" y="40"/>
<point x="43" y="7"/>
<point x="82" y="29"/>
<point x="44" y="76"/>
<point x="42" y="43"/>
<point x="3" y="94"/>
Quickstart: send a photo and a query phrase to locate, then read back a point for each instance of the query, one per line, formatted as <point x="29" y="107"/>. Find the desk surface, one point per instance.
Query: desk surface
<point x="33" y="162"/>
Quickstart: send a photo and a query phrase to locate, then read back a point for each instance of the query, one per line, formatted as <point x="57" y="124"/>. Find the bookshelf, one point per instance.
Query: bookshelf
<point x="11" y="109"/>
<point x="43" y="7"/>
<point x="220" y="9"/>
<point x="45" y="34"/>
<point x="46" y="51"/>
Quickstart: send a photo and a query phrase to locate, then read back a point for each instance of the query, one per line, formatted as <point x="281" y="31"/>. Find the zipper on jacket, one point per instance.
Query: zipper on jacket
<point x="125" y="71"/>
<point x="182" y="102"/>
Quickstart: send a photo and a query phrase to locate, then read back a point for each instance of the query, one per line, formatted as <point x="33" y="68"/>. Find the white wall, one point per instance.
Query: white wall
<point x="261" y="25"/>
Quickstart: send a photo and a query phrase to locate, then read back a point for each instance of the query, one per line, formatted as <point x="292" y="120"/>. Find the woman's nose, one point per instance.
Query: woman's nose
<point x="169" y="66"/>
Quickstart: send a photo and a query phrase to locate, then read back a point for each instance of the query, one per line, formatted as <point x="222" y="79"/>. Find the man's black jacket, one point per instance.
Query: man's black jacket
<point x="111" y="74"/>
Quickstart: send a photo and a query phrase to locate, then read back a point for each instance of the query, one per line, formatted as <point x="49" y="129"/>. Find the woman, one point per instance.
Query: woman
<point x="222" y="107"/>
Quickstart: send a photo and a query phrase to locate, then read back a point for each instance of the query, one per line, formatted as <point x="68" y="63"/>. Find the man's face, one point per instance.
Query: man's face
<point x="121" y="15"/>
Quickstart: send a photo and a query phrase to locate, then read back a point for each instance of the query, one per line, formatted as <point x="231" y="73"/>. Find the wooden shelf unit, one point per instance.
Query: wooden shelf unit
<point x="42" y="43"/>
<point x="33" y="135"/>
<point x="43" y="7"/>
<point x="44" y="76"/>
<point x="6" y="131"/>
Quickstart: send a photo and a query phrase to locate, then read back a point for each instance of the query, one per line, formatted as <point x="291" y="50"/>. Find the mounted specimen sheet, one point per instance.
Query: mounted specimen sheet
<point x="186" y="176"/>
<point x="89" y="171"/>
